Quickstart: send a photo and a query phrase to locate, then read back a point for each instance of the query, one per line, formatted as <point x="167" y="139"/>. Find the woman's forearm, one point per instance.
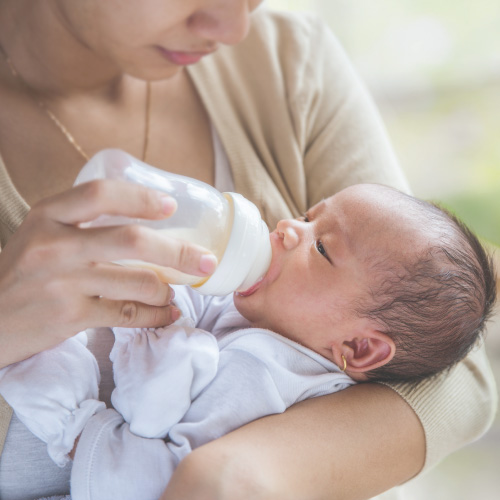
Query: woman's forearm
<point x="350" y="445"/>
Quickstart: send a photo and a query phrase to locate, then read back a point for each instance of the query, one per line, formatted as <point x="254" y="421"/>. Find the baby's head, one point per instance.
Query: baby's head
<point x="433" y="302"/>
<point x="396" y="286"/>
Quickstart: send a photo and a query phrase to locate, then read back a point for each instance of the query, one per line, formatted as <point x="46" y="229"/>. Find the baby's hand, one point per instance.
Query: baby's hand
<point x="54" y="393"/>
<point x="158" y="372"/>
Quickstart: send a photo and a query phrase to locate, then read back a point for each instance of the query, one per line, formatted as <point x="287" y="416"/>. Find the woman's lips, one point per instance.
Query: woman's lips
<point x="182" y="58"/>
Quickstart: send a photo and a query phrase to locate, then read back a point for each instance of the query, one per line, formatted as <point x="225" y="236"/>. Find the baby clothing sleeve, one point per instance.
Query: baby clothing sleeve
<point x="113" y="463"/>
<point x="158" y="372"/>
<point x="54" y="393"/>
<point x="260" y="373"/>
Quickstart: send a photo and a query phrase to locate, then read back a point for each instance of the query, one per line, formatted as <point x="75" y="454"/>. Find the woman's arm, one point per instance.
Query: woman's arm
<point x="352" y="444"/>
<point x="326" y="136"/>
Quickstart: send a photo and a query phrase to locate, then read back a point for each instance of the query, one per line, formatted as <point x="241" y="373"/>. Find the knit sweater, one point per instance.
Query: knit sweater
<point x="297" y="126"/>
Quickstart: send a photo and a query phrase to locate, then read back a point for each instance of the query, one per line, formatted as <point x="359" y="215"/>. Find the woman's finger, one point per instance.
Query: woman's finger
<point x="87" y="201"/>
<point x="105" y="312"/>
<point x="113" y="243"/>
<point x="116" y="282"/>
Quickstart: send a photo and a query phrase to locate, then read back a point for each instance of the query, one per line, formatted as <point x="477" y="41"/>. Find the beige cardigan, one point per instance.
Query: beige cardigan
<point x="297" y="126"/>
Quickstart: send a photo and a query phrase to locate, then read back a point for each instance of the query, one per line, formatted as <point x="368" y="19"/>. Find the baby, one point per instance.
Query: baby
<point x="370" y="284"/>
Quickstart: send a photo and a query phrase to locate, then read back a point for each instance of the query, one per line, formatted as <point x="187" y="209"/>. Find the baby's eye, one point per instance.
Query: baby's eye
<point x="321" y="249"/>
<point x="305" y="218"/>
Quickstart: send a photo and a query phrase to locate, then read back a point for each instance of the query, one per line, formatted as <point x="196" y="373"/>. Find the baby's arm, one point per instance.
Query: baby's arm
<point x="54" y="393"/>
<point x="260" y="373"/>
<point x="113" y="463"/>
<point x="158" y="372"/>
<point x="257" y="375"/>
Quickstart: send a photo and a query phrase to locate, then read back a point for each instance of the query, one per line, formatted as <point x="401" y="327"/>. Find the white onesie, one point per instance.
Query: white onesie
<point x="180" y="387"/>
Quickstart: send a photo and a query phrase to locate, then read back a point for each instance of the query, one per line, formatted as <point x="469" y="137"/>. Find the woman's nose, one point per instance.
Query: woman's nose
<point x="223" y="21"/>
<point x="290" y="232"/>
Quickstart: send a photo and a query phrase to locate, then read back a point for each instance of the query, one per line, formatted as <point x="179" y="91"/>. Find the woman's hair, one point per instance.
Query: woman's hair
<point x="436" y="306"/>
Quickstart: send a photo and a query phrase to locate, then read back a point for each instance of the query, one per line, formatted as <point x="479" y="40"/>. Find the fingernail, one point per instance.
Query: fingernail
<point x="208" y="263"/>
<point x="168" y="205"/>
<point x="175" y="314"/>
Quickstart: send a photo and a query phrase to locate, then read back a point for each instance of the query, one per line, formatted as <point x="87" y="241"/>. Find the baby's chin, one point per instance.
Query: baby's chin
<point x="247" y="308"/>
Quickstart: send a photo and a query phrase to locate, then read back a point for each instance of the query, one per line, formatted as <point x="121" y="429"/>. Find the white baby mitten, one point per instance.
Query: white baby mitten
<point x="54" y="393"/>
<point x="158" y="372"/>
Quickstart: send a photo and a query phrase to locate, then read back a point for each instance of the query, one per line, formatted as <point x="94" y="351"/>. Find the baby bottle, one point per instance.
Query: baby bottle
<point x="227" y="224"/>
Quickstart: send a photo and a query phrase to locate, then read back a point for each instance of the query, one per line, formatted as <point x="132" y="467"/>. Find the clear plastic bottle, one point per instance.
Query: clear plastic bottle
<point x="225" y="223"/>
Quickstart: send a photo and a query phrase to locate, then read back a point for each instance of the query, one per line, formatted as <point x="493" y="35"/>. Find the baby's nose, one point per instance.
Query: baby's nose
<point x="288" y="231"/>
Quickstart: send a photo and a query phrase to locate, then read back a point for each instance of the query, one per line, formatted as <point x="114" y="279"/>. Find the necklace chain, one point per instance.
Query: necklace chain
<point x="69" y="137"/>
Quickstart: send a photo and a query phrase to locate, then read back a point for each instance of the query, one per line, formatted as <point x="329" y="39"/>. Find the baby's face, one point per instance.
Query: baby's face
<point x="321" y="265"/>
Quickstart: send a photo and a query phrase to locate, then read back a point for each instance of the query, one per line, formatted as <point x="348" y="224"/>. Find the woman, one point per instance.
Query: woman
<point x="273" y="111"/>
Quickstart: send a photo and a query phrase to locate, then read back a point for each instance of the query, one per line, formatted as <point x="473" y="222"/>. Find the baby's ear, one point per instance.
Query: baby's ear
<point x="368" y="352"/>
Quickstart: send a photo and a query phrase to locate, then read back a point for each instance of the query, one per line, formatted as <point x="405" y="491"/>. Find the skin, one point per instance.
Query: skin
<point x="87" y="61"/>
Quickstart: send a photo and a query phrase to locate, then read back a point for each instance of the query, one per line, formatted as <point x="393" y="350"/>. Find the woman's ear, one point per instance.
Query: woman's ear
<point x="366" y="353"/>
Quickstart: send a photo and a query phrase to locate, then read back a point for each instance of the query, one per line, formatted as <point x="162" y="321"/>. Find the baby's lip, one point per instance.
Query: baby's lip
<point x="251" y="290"/>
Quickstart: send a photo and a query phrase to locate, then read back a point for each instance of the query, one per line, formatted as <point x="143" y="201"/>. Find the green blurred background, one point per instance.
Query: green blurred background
<point x="433" y="68"/>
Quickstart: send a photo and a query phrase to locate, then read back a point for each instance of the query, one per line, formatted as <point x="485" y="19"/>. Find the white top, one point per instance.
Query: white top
<point x="177" y="388"/>
<point x="190" y="387"/>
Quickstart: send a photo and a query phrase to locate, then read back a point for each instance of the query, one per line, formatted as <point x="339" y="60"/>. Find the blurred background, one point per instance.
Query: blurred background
<point x="433" y="68"/>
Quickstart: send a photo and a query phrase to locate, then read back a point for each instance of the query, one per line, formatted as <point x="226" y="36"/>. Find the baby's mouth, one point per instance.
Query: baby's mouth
<point x="249" y="291"/>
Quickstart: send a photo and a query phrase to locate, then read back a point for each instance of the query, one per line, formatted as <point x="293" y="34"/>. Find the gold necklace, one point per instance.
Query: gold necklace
<point x="69" y="137"/>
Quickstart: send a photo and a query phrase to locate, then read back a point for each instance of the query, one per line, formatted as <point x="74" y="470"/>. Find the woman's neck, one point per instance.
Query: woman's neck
<point x="50" y="59"/>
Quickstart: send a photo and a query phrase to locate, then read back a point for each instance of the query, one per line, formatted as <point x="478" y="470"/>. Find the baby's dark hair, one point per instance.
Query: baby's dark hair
<point x="435" y="307"/>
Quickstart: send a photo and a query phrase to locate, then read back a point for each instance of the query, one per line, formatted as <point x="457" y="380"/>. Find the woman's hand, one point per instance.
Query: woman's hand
<point x="57" y="279"/>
